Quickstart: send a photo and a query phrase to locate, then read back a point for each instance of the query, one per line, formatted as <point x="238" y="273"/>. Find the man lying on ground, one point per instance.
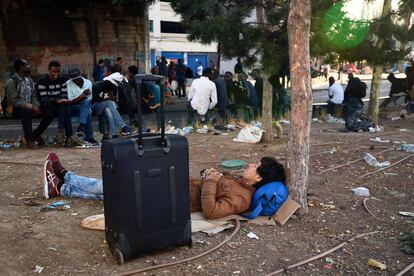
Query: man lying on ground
<point x="216" y="194"/>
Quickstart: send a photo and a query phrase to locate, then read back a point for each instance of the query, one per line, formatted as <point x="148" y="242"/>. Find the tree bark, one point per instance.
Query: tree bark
<point x="373" y="106"/>
<point x="267" y="113"/>
<point x="297" y="165"/>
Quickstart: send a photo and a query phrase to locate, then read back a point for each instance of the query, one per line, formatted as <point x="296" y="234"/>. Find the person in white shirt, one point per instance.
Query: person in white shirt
<point x="203" y="95"/>
<point x="79" y="97"/>
<point x="336" y="95"/>
<point x="200" y="70"/>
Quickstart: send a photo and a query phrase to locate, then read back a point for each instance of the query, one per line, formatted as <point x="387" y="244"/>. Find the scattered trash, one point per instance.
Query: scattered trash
<point x="252" y="235"/>
<point x="286" y="122"/>
<point x="327" y="206"/>
<point x="74" y="214"/>
<point x="377" y="264"/>
<point x="406" y="214"/>
<point x="360" y="191"/>
<point x="333" y="120"/>
<point x="396" y="142"/>
<point x="376" y="129"/>
<point x="395" y="118"/>
<point x="378" y="139"/>
<point x="329" y="260"/>
<point x="203" y="130"/>
<point x="371" y="160"/>
<point x="407" y="148"/>
<point x="237" y="272"/>
<point x="173" y="130"/>
<point x="9" y="145"/>
<point x="52" y="248"/>
<point x="393" y="174"/>
<point x="233" y="164"/>
<point x="328" y="266"/>
<point x="403" y="129"/>
<point x="231" y="127"/>
<point x="38" y="269"/>
<point x="95" y="222"/>
<point x="57" y="205"/>
<point x="188" y="129"/>
<point x="316" y="120"/>
<point x="249" y="134"/>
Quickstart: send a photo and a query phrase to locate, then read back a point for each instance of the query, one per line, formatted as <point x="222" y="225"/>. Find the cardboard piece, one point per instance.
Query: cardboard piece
<point x="285" y="211"/>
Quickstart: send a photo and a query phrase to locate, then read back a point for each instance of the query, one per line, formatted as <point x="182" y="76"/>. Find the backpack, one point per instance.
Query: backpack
<point x="268" y="199"/>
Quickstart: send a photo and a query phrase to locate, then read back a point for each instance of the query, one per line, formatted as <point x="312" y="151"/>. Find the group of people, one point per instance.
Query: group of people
<point x="175" y="75"/>
<point x="54" y="95"/>
<point x="350" y="99"/>
<point x="215" y="194"/>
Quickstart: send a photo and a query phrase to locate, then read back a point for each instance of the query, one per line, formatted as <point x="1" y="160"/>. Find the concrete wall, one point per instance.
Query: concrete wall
<point x="41" y="31"/>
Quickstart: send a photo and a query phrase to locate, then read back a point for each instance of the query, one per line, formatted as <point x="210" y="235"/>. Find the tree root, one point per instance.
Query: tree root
<point x="339" y="246"/>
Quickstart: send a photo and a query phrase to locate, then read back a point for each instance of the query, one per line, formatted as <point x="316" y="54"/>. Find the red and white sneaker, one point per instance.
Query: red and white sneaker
<point x="59" y="170"/>
<point x="51" y="181"/>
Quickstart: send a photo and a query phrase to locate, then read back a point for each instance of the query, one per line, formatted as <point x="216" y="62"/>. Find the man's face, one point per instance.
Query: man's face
<point x="54" y="72"/>
<point x="107" y="72"/>
<point x="78" y="82"/>
<point x="25" y="68"/>
<point x="228" y="78"/>
<point x="250" y="173"/>
<point x="120" y="61"/>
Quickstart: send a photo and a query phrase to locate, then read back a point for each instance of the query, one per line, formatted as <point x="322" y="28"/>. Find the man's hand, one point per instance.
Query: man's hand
<point x="62" y="101"/>
<point x="87" y="92"/>
<point x="213" y="174"/>
<point x="35" y="109"/>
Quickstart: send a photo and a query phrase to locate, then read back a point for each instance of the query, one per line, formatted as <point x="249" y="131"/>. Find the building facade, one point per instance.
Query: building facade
<point x="76" y="33"/>
<point x="168" y="38"/>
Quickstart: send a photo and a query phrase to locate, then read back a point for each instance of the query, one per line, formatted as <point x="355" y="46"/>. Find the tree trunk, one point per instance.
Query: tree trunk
<point x="267" y="113"/>
<point x="373" y="106"/>
<point x="297" y="165"/>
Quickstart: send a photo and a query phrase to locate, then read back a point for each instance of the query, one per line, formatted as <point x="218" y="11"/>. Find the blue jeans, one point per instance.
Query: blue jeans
<point x="85" y="116"/>
<point x="82" y="187"/>
<point x="108" y="108"/>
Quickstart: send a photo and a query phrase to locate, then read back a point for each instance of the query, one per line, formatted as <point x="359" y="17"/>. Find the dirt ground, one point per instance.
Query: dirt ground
<point x="55" y="241"/>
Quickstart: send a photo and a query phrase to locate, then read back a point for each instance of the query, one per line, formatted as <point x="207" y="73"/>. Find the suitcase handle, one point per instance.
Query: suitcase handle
<point x="139" y="80"/>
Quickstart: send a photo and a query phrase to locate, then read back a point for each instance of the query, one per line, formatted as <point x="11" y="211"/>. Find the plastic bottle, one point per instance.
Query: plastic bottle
<point x="407" y="148"/>
<point x="370" y="159"/>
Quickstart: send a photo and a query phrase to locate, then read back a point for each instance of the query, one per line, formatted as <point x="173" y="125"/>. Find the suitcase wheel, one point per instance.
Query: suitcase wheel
<point x="119" y="257"/>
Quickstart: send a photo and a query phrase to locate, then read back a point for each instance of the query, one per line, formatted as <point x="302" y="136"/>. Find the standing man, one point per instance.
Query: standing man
<point x="51" y="89"/>
<point x="119" y="64"/>
<point x="336" y="95"/>
<point x="199" y="70"/>
<point x="221" y="88"/>
<point x="22" y="96"/>
<point x="180" y="75"/>
<point x="79" y="97"/>
<point x="98" y="71"/>
<point x="203" y="95"/>
<point x="163" y="68"/>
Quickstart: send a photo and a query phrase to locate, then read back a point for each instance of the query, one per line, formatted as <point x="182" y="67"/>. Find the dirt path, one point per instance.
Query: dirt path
<point x="54" y="240"/>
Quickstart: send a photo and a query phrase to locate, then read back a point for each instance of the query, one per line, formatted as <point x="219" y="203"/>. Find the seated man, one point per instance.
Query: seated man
<point x="203" y="96"/>
<point x="336" y="96"/>
<point x="21" y="95"/>
<point x="79" y="97"/>
<point x="104" y="96"/>
<point x="51" y="90"/>
<point x="216" y="195"/>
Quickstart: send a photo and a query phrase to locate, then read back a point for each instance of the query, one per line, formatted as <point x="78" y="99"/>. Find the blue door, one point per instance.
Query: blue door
<point x="173" y="56"/>
<point x="193" y="61"/>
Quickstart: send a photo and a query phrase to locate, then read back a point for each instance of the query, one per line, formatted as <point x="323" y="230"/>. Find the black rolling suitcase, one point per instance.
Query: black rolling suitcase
<point x="146" y="188"/>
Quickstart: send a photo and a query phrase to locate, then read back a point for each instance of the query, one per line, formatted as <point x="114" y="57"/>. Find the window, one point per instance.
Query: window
<point x="151" y="26"/>
<point x="172" y="27"/>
